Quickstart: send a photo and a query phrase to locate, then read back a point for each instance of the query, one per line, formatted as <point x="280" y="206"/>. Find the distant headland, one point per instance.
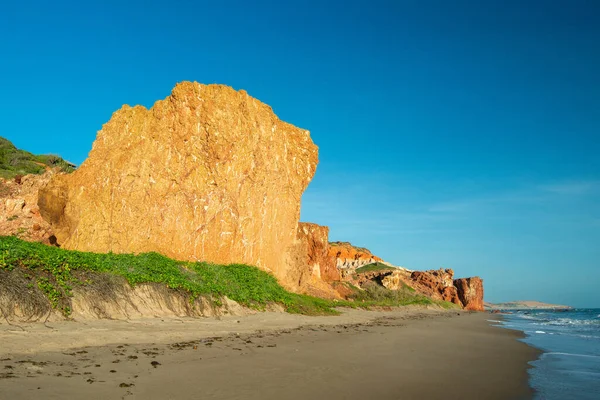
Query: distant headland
<point x="525" y="305"/>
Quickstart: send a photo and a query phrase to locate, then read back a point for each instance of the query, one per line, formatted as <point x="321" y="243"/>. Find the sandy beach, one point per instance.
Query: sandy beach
<point x="408" y="353"/>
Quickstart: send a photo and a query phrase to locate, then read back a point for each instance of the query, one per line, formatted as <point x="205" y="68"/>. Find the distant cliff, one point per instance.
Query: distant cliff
<point x="359" y="266"/>
<point x="525" y="305"/>
<point x="348" y="257"/>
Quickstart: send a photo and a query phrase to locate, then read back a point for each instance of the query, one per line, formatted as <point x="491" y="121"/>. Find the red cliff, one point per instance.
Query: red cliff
<point x="349" y="258"/>
<point x="437" y="284"/>
<point x="470" y="292"/>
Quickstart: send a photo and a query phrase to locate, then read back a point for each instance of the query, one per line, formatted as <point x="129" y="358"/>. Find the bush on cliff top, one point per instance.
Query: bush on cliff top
<point x="373" y="267"/>
<point x="15" y="162"/>
<point x="55" y="272"/>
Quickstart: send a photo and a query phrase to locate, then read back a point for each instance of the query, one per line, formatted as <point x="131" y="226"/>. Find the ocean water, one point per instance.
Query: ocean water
<point x="569" y="368"/>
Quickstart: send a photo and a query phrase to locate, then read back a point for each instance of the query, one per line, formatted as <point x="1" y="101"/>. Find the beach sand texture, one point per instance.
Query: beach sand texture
<point x="408" y="353"/>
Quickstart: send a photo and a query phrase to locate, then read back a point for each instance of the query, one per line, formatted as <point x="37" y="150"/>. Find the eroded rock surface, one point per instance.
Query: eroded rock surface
<point x="319" y="259"/>
<point x="310" y="265"/>
<point x="396" y="280"/>
<point x="349" y="258"/>
<point x="209" y="173"/>
<point x="470" y="292"/>
<point x="19" y="212"/>
<point x="437" y="284"/>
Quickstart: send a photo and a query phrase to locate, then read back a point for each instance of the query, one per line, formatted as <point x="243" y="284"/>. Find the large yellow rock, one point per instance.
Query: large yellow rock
<point x="209" y="173"/>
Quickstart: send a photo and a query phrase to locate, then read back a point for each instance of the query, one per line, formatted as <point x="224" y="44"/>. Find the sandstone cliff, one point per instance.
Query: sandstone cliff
<point x="19" y="212"/>
<point x="435" y="284"/>
<point x="208" y="173"/>
<point x="309" y="264"/>
<point x="470" y="292"/>
<point x="349" y="258"/>
<point x="318" y="256"/>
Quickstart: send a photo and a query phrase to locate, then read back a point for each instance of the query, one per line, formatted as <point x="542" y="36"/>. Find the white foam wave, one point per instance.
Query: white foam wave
<point x="540" y="332"/>
<point x="569" y="321"/>
<point x="527" y="316"/>
<point x="494" y="320"/>
<point x="571" y="355"/>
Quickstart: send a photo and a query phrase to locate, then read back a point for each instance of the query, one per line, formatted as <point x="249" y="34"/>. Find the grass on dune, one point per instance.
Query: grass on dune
<point x="55" y="272"/>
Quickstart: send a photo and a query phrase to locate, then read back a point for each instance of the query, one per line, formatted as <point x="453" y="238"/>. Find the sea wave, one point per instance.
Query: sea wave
<point x="531" y="317"/>
<point x="571" y="344"/>
<point x="569" y="321"/>
<point x="570" y="354"/>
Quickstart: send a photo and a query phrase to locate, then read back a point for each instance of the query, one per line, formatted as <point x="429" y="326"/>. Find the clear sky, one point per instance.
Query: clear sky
<point x="455" y="134"/>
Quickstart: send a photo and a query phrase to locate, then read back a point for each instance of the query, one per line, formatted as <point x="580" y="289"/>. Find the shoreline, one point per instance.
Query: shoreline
<point x="568" y="349"/>
<point x="499" y="321"/>
<point x="404" y="353"/>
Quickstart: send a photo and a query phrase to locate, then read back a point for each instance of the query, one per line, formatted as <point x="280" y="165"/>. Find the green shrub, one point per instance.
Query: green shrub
<point x="57" y="271"/>
<point x="374" y="267"/>
<point x="375" y="292"/>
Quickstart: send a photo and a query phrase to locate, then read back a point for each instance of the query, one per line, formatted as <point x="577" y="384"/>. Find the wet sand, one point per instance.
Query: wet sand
<point x="400" y="354"/>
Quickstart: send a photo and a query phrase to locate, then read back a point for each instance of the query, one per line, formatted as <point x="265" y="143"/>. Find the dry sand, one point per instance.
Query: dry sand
<point x="403" y="354"/>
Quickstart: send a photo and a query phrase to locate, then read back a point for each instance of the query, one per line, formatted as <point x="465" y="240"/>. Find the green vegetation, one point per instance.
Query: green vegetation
<point x="15" y="162"/>
<point x="55" y="272"/>
<point x="373" y="267"/>
<point x="373" y="295"/>
<point x="374" y="292"/>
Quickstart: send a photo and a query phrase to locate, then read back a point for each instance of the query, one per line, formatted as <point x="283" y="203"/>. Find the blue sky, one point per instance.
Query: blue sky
<point x="459" y="134"/>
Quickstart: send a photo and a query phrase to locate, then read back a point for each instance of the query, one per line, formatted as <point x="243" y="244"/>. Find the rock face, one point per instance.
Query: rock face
<point x="470" y="292"/>
<point x="310" y="266"/>
<point x="349" y="258"/>
<point x="396" y="280"/>
<point x="437" y="284"/>
<point x="19" y="212"/>
<point x="209" y="173"/>
<point x="387" y="277"/>
<point x="319" y="259"/>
